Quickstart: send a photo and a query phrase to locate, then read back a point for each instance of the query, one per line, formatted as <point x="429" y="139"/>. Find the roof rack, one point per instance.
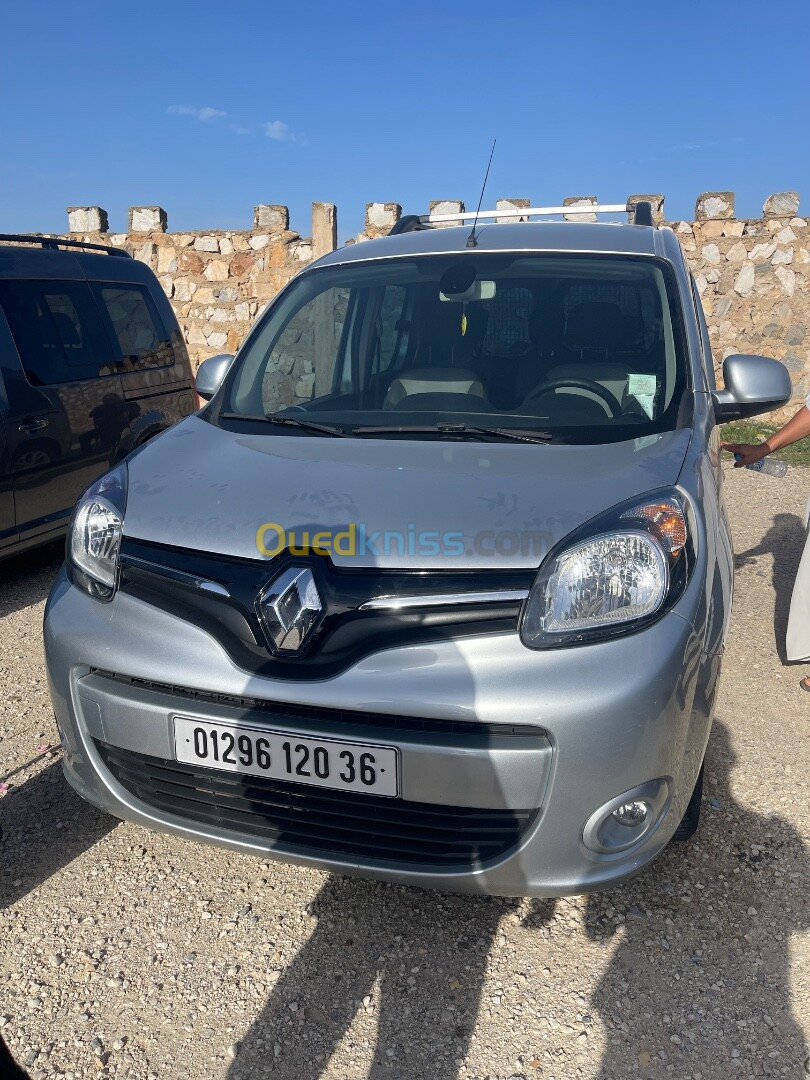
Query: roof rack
<point x="53" y="243"/>
<point x="641" y="211"/>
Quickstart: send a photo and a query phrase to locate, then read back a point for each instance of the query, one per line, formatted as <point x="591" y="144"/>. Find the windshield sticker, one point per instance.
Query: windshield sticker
<point x="643" y="388"/>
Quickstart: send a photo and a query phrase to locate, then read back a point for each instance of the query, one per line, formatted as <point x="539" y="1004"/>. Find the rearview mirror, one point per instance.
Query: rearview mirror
<point x="211" y="374"/>
<point x="753" y="385"/>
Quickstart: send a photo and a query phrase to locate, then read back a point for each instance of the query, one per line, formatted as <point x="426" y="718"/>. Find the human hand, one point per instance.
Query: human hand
<point x="749" y="453"/>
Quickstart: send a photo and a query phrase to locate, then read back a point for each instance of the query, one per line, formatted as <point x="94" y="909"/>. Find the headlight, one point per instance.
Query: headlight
<point x="94" y="537"/>
<point x="605" y="581"/>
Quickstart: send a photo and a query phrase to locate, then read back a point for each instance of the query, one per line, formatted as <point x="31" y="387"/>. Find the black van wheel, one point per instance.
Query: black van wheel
<point x="689" y="822"/>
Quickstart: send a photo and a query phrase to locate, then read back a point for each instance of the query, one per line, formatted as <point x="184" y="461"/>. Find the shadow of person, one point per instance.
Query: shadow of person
<point x="45" y="826"/>
<point x="26" y="579"/>
<point x="699" y="984"/>
<point x="408" y="961"/>
<point x="784" y="540"/>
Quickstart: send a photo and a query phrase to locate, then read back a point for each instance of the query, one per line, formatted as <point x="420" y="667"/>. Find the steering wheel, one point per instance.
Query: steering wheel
<point x="602" y="392"/>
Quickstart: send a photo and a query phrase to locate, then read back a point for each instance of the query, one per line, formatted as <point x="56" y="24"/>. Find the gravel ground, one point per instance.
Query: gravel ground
<point x="128" y="954"/>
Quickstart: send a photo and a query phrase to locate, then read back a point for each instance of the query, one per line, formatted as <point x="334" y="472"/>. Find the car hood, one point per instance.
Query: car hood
<point x="383" y="502"/>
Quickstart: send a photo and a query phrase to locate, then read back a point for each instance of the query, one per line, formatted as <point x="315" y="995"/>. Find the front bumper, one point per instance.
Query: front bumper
<point x="543" y="738"/>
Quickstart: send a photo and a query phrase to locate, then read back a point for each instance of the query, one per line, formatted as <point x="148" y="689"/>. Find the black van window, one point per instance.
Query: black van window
<point x="139" y="332"/>
<point x="57" y="331"/>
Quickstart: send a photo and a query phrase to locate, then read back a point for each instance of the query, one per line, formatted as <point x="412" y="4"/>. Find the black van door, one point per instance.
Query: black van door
<point x="8" y="528"/>
<point x="66" y="408"/>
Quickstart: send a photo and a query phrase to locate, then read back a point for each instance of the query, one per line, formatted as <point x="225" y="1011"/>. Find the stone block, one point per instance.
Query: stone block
<point x="241" y="263"/>
<point x="787" y="279"/>
<point x="166" y="260"/>
<point x="87" y="219"/>
<point x="745" y="280"/>
<point x="760" y="252"/>
<point x="324" y="229"/>
<point x="145" y="253"/>
<point x="734" y="228"/>
<point x="184" y="290"/>
<point x="226" y="246"/>
<point x="206" y="243"/>
<point x="711" y="229"/>
<point x="711" y="253"/>
<point x="512" y="204"/>
<point x="217" y="340"/>
<point x="714" y="204"/>
<point x="217" y="270"/>
<point x="259" y="242"/>
<point x="445" y="206"/>
<point x="272" y="217"/>
<point x="190" y="263"/>
<point x="655" y="201"/>
<point x="737" y="252"/>
<point x="147" y="219"/>
<point x="580" y="200"/>
<point x="381" y="217"/>
<point x="781" y="204"/>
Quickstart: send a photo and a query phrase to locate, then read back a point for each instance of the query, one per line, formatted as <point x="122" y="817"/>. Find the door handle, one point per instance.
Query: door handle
<point x="33" y="425"/>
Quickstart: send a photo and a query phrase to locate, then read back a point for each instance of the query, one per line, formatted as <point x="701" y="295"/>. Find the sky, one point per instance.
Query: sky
<point x="207" y="109"/>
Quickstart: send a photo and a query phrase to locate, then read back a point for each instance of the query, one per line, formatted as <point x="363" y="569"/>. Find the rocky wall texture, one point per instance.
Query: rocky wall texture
<point x="753" y="275"/>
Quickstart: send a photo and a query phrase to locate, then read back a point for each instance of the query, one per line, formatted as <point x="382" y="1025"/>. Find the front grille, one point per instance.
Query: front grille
<point x="285" y="712"/>
<point x="165" y="577"/>
<point x="319" y="822"/>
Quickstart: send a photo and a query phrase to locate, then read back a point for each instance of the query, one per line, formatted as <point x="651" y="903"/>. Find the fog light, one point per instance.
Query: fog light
<point x="632" y="814"/>
<point x="628" y="818"/>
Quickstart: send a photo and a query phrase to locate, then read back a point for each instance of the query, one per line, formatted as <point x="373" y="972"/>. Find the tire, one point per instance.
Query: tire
<point x="689" y="822"/>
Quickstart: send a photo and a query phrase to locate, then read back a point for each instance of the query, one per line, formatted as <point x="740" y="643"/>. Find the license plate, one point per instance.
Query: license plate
<point x="329" y="763"/>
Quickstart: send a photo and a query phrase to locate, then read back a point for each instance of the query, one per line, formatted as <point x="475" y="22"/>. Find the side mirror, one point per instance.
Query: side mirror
<point x="753" y="385"/>
<point x="211" y="373"/>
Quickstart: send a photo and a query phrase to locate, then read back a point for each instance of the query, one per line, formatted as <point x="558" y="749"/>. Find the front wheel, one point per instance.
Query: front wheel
<point x="689" y="822"/>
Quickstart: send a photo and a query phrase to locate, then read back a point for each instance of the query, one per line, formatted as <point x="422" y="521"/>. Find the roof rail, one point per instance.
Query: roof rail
<point x="53" y="243"/>
<point x="643" y="214"/>
<point x="641" y="211"/>
<point x="409" y="223"/>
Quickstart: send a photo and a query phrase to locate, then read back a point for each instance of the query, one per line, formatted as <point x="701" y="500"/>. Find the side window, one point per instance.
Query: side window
<point x="57" y="331"/>
<point x="314" y="331"/>
<point x="139" y="332"/>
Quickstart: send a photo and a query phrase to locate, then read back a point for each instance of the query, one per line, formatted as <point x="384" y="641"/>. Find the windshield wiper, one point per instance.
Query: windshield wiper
<point x="289" y="421"/>
<point x="474" y="430"/>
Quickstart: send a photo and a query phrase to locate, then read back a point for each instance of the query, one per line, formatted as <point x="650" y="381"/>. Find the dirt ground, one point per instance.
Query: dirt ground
<point x="125" y="953"/>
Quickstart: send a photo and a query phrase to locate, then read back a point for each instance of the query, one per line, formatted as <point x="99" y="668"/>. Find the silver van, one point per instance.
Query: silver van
<point x="435" y="587"/>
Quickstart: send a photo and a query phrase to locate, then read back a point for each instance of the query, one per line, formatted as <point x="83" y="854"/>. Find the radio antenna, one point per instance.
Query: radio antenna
<point x="471" y="240"/>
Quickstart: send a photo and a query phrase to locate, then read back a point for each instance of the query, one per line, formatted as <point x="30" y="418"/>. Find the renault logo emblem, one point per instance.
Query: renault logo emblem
<point x="288" y="608"/>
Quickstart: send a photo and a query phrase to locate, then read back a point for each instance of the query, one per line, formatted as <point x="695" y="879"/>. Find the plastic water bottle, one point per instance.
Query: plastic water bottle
<point x="767" y="466"/>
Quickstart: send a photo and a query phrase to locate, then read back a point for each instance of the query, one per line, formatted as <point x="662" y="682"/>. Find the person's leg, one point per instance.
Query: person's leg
<point x="797" y="643"/>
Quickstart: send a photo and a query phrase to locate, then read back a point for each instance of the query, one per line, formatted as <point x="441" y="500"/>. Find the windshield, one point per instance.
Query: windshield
<point x="585" y="348"/>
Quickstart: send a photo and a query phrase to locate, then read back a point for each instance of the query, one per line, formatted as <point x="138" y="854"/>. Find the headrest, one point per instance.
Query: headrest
<point x="66" y="328"/>
<point x="596" y="325"/>
<point x="443" y="402"/>
<point x="432" y="381"/>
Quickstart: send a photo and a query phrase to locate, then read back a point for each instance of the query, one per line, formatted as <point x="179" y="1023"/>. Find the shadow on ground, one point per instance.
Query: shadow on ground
<point x="785" y="542"/>
<point x="45" y="826"/>
<point x="698" y="982"/>
<point x="26" y="579"/>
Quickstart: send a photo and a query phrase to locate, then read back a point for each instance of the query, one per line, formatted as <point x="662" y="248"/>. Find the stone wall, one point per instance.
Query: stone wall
<point x="753" y="275"/>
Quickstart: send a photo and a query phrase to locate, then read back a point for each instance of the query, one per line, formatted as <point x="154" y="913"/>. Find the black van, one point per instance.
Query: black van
<point x="92" y="364"/>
